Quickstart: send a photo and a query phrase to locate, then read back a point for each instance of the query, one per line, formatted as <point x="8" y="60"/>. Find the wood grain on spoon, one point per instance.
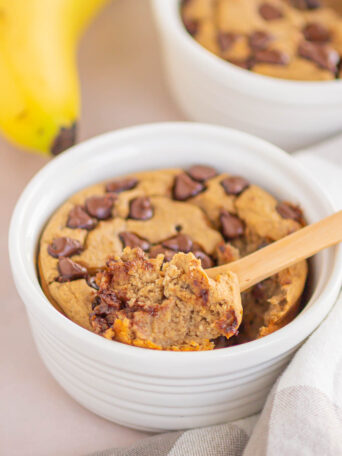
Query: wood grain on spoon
<point x="284" y="253"/>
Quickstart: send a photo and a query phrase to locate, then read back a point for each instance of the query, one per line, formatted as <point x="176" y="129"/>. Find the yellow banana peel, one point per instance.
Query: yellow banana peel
<point x="39" y="87"/>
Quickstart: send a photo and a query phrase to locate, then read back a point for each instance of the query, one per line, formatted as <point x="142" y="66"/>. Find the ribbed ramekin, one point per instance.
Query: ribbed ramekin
<point x="148" y="389"/>
<point x="291" y="114"/>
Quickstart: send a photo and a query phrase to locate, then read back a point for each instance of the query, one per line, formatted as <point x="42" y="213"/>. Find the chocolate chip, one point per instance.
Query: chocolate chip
<point x="202" y="173"/>
<point x="259" y="291"/>
<point x="234" y="185"/>
<point x="111" y="299"/>
<point x="231" y="225"/>
<point x="69" y="270"/>
<point x="64" y="247"/>
<point x="191" y="25"/>
<point x="221" y="342"/>
<point x="121" y="185"/>
<point x="132" y="240"/>
<point x="141" y="208"/>
<point x="185" y="187"/>
<point x="229" y="324"/>
<point x="242" y="63"/>
<point x="316" y="32"/>
<point x="96" y="302"/>
<point x="306" y="4"/>
<point x="321" y="54"/>
<point x="289" y="211"/>
<point x="104" y="310"/>
<point x="179" y="243"/>
<point x="158" y="249"/>
<point x="269" y="12"/>
<point x="206" y="261"/>
<point x="272" y="56"/>
<point x="91" y="281"/>
<point x="226" y="40"/>
<point x="100" y="206"/>
<point x="260" y="39"/>
<point x="78" y="218"/>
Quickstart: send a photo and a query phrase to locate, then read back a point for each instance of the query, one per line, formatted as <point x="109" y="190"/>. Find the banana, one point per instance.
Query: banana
<point x="39" y="87"/>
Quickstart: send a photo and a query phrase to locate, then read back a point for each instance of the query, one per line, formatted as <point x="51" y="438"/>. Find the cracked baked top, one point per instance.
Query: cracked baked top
<point x="211" y="218"/>
<point x="289" y="39"/>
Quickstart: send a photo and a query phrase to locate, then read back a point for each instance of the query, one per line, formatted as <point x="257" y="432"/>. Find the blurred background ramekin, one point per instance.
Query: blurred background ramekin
<point x="288" y="113"/>
<point x="148" y="389"/>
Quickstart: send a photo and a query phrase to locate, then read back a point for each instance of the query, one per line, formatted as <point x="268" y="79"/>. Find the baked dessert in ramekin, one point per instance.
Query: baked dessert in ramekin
<point x="158" y="390"/>
<point x="211" y="217"/>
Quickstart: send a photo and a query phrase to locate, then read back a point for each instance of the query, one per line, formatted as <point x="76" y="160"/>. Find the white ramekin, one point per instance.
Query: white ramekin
<point x="290" y="114"/>
<point x="148" y="389"/>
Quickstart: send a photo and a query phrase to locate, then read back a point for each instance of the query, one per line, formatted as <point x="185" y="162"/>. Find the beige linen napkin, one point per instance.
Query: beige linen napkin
<point x="303" y="413"/>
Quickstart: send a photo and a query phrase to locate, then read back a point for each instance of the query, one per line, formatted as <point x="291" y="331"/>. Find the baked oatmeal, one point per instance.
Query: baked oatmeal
<point x="127" y="258"/>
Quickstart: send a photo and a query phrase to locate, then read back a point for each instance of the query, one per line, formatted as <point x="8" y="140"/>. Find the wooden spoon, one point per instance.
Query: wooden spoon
<point x="284" y="253"/>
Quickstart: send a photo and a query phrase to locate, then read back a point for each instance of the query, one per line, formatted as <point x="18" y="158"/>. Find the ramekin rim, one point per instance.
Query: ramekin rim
<point x="18" y="262"/>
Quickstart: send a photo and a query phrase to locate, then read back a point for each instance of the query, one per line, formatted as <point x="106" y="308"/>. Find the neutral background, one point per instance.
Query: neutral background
<point x="122" y="85"/>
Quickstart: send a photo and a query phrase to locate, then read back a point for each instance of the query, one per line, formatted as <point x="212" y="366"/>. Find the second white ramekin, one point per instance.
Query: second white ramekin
<point x="290" y="114"/>
<point x="148" y="389"/>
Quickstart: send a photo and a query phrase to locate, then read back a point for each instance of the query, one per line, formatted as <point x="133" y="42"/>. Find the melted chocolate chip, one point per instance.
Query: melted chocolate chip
<point x="306" y="4"/>
<point x="112" y="299"/>
<point x="99" y="324"/>
<point x="78" y="218"/>
<point x="260" y="39"/>
<point x="206" y="261"/>
<point x="231" y="225"/>
<point x="289" y="211"/>
<point x="221" y="342"/>
<point x="316" y="32"/>
<point x="228" y="325"/>
<point x="185" y="187"/>
<point x="64" y="247"/>
<point x="242" y="63"/>
<point x="271" y="56"/>
<point x="100" y="206"/>
<point x="179" y="243"/>
<point x="191" y="25"/>
<point x="91" y="281"/>
<point x="69" y="270"/>
<point x="121" y="185"/>
<point x="321" y="54"/>
<point x="96" y="302"/>
<point x="234" y="185"/>
<point x="132" y="240"/>
<point x="269" y="12"/>
<point x="104" y="310"/>
<point x="201" y="173"/>
<point x="141" y="208"/>
<point x="158" y="249"/>
<point x="226" y="40"/>
<point x="259" y="291"/>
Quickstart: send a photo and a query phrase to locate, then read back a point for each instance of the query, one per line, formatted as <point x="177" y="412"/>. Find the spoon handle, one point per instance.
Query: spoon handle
<point x="284" y="253"/>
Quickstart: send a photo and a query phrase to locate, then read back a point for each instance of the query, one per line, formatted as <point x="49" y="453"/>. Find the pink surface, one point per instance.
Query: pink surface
<point x="122" y="85"/>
